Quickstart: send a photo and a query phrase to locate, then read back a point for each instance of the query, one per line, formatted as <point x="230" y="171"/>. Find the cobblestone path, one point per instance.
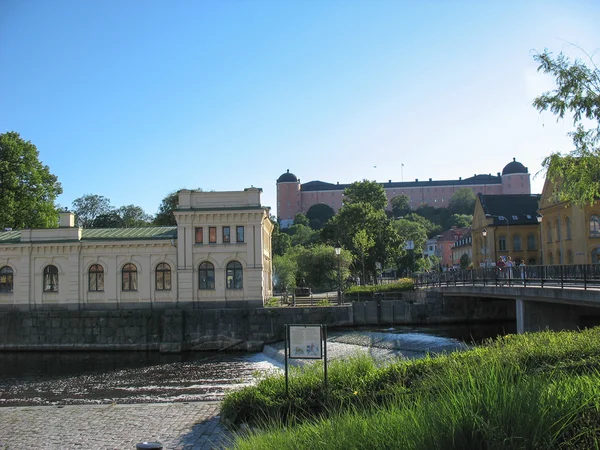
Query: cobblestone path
<point x="189" y="426"/>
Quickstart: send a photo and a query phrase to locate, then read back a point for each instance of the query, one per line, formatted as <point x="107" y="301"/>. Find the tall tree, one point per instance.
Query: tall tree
<point x="134" y="216"/>
<point x="365" y="191"/>
<point x="90" y="206"/>
<point x="462" y="202"/>
<point x="575" y="175"/>
<point x="301" y="219"/>
<point x="319" y="214"/>
<point x="165" y="216"/>
<point x="400" y="205"/>
<point x="110" y="219"/>
<point x="27" y="188"/>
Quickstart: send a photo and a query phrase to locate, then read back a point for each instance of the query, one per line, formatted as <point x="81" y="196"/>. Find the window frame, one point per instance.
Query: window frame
<point x="50" y="279"/>
<point x="594" y="225"/>
<point x="205" y="269"/>
<point x="9" y="273"/>
<point x="568" y="228"/>
<point x="234" y="276"/>
<point x="239" y="228"/>
<point x="199" y="233"/>
<point x="531" y="242"/>
<point x="93" y="272"/>
<point x="212" y="235"/>
<point x="131" y="279"/>
<point x="502" y="243"/>
<point x="517" y="247"/>
<point x="226" y="236"/>
<point x="160" y="283"/>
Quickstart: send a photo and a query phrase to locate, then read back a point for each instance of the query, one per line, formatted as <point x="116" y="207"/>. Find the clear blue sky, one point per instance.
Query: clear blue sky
<point x="134" y="99"/>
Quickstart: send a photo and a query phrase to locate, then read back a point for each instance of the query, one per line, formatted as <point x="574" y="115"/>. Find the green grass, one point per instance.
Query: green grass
<point x="403" y="285"/>
<point x="538" y="390"/>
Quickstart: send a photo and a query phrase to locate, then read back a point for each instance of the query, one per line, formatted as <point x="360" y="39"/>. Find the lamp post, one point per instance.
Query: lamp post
<point x="539" y="218"/>
<point x="485" y="247"/>
<point x="338" y="252"/>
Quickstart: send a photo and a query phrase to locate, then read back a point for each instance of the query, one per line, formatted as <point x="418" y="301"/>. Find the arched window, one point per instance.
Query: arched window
<point x="206" y="276"/>
<point x="163" y="277"/>
<point x="568" y="226"/>
<point x="569" y="257"/>
<point x="129" y="277"/>
<point x="596" y="256"/>
<point x="517" y="243"/>
<point x="6" y="279"/>
<point x="50" y="279"/>
<point x="549" y="232"/>
<point x="234" y="278"/>
<point x="531" y="242"/>
<point x="502" y="243"/>
<point x="594" y="225"/>
<point x="550" y="258"/>
<point x="558" y="231"/>
<point x="96" y="278"/>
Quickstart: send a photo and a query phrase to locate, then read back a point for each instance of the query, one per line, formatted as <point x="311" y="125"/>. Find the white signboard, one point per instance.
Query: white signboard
<point x="305" y="342"/>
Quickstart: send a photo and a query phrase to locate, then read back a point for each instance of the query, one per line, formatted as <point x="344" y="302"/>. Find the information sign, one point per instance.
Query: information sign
<point x="306" y="342"/>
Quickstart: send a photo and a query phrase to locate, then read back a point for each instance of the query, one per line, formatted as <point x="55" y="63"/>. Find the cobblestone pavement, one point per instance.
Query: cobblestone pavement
<point x="189" y="426"/>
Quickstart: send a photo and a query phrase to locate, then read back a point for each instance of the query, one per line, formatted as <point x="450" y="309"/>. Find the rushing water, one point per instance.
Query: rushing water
<point x="58" y="378"/>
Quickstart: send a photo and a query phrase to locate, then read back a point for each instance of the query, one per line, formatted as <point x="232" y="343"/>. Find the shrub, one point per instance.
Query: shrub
<point x="403" y="285"/>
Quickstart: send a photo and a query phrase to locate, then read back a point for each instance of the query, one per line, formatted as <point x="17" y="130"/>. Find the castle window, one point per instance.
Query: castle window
<point x="6" y="280"/>
<point x="206" y="276"/>
<point x="96" y="278"/>
<point x="163" y="277"/>
<point x="129" y="277"/>
<point x="50" y="279"/>
<point x="234" y="278"/>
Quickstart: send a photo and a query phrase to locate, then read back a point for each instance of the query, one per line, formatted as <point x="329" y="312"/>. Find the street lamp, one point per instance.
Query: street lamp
<point x="539" y="218"/>
<point x="338" y="252"/>
<point x="485" y="247"/>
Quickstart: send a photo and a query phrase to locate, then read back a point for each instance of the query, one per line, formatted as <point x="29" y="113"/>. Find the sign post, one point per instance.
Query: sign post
<point x="305" y="342"/>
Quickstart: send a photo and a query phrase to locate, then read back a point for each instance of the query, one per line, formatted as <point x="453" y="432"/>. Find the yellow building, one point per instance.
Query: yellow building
<point x="503" y="226"/>
<point x="570" y="234"/>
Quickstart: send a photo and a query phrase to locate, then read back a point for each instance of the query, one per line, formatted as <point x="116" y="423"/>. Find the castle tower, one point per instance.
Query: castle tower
<point x="288" y="198"/>
<point x="515" y="178"/>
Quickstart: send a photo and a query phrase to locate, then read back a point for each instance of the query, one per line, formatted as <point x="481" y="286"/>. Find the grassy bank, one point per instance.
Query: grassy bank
<point x="532" y="391"/>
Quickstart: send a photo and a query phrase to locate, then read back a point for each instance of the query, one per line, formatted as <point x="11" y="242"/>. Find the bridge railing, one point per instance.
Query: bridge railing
<point x="573" y="275"/>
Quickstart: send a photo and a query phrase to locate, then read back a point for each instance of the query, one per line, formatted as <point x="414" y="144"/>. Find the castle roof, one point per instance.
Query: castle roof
<point x="287" y="178"/>
<point x="514" y="167"/>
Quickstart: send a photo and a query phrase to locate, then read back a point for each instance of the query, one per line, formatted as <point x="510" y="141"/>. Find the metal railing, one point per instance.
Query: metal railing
<point x="575" y="275"/>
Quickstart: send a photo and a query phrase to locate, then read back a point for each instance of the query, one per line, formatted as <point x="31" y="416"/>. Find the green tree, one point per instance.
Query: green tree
<point x="318" y="266"/>
<point x="319" y="214"/>
<point x="164" y="216"/>
<point x="460" y="220"/>
<point x="90" y="206"/>
<point x="301" y="235"/>
<point x="285" y="268"/>
<point x="300" y="219"/>
<point x="27" y="188"/>
<point x="280" y="242"/>
<point x="575" y="175"/>
<point x="363" y="243"/>
<point x="134" y="216"/>
<point x="431" y="228"/>
<point x="365" y="191"/>
<point x="110" y="219"/>
<point x="464" y="261"/>
<point x="462" y="202"/>
<point x="414" y="233"/>
<point x="400" y="205"/>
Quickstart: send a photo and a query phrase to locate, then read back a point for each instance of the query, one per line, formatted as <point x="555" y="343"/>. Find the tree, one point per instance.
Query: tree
<point x="318" y="266"/>
<point x="134" y="216"/>
<point x="400" y="205"/>
<point x="431" y="228"/>
<point x="464" y="261"/>
<point x="27" y="188"/>
<point x="410" y="231"/>
<point x="90" y="206"/>
<point x="460" y="220"/>
<point x="300" y="219"/>
<point x="576" y="175"/>
<point x="110" y="219"/>
<point x="319" y="214"/>
<point x="365" y="191"/>
<point x="285" y="268"/>
<point x="462" y="202"/>
<point x="165" y="216"/>
<point x="301" y="235"/>
<point x="363" y="243"/>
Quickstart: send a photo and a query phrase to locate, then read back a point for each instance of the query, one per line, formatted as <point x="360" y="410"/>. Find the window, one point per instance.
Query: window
<point x="594" y="225"/>
<point x="596" y="256"/>
<point x="240" y="233"/>
<point x="96" y="278"/>
<point x="226" y="234"/>
<point x="6" y="279"/>
<point x="212" y="235"/>
<point x="558" y="231"/>
<point x="516" y="243"/>
<point x="531" y="242"/>
<point x="568" y="226"/>
<point x="515" y="217"/>
<point x="206" y="276"/>
<point x="50" y="279"/>
<point x="234" y="276"/>
<point x="163" y="277"/>
<point x="129" y="277"/>
<point x="199" y="235"/>
<point x="502" y="243"/>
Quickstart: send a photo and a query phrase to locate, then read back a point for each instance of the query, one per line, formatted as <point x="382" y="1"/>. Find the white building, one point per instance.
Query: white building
<point x="218" y="255"/>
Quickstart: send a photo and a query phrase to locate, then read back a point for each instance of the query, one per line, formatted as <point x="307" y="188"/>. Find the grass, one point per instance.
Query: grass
<point x="538" y="390"/>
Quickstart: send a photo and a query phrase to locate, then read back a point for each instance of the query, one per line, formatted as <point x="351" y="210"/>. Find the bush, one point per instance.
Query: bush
<point x="403" y="285"/>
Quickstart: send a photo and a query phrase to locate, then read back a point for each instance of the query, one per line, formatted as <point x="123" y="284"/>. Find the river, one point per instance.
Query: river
<point x="61" y="378"/>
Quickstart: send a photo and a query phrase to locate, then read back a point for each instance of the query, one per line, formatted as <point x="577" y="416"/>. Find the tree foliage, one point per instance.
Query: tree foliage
<point x="319" y="214"/>
<point x="369" y="192"/>
<point x="27" y="188"/>
<point x="462" y="202"/>
<point x="110" y="219"/>
<point x="88" y="207"/>
<point x="165" y="216"/>
<point x="400" y="205"/>
<point x="300" y="219"/>
<point x="576" y="175"/>
<point x="134" y="216"/>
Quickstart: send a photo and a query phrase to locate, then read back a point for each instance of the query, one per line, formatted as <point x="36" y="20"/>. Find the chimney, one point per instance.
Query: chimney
<point x="66" y="219"/>
<point x="430" y="179"/>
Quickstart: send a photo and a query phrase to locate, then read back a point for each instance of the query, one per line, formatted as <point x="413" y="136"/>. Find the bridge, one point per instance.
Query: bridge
<point x="555" y="297"/>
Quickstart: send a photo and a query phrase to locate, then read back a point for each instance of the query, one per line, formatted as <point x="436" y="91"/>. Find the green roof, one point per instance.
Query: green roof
<point x="93" y="234"/>
<point x="10" y="236"/>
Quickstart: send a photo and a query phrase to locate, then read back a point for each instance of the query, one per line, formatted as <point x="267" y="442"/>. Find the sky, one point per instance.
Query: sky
<point x="133" y="99"/>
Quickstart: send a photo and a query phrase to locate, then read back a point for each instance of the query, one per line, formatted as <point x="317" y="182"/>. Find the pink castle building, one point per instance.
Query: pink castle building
<point x="294" y="197"/>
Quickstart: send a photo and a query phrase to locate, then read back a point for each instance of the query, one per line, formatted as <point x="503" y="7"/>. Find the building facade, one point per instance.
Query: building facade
<point x="294" y="197"/>
<point x="218" y="255"/>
